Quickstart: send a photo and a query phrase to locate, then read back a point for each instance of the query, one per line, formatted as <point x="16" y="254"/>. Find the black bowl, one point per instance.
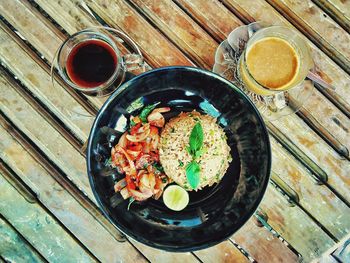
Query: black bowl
<point x="214" y="213"/>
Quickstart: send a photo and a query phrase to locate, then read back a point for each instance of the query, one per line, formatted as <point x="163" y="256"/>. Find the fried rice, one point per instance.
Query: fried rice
<point x="174" y="157"/>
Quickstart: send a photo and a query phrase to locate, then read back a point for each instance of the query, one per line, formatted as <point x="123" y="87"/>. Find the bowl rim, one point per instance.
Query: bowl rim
<point x="125" y="231"/>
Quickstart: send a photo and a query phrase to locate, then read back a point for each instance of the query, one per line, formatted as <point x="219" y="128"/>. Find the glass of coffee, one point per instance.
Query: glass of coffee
<point x="275" y="59"/>
<point x="90" y="61"/>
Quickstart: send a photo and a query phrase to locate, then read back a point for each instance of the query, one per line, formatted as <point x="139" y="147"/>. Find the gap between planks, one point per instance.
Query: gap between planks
<point x="24" y="190"/>
<point x="59" y="176"/>
<point x="25" y="241"/>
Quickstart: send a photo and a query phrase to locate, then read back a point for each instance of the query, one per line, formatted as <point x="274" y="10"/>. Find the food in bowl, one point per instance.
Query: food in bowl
<point x="136" y="155"/>
<point x="191" y="150"/>
<point x="213" y="157"/>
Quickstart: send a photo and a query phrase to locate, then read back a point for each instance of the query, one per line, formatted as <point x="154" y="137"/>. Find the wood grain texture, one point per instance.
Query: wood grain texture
<point x="282" y="212"/>
<point x="154" y="46"/>
<point x="337" y="169"/>
<point x="222" y="252"/>
<point x="320" y="175"/>
<point x="64" y="206"/>
<point x="318" y="200"/>
<point x="318" y="104"/>
<point x="339" y="10"/>
<point x="14" y="248"/>
<point x="68" y="15"/>
<point x="73" y="18"/>
<point x="323" y="132"/>
<point x="39" y="228"/>
<point x="43" y="135"/>
<point x="212" y="15"/>
<point x="194" y="42"/>
<point x="156" y="255"/>
<point x="323" y="31"/>
<point x="261" y="11"/>
<point x="216" y="17"/>
<point x="42" y="35"/>
<point x="67" y="158"/>
<point x="265" y="242"/>
<point x="295" y="225"/>
<point x="166" y="256"/>
<point x="33" y="32"/>
<point x="38" y="81"/>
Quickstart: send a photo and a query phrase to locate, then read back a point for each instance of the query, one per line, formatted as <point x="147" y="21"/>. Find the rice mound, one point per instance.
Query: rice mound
<point x="174" y="157"/>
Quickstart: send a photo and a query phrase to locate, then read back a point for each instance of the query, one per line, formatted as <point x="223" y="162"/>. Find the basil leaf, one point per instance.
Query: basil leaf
<point x="146" y="111"/>
<point x="193" y="174"/>
<point x="198" y="153"/>
<point x="158" y="167"/>
<point x="196" y="138"/>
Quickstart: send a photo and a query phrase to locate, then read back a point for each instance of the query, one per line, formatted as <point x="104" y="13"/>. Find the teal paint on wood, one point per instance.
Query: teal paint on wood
<point x="14" y="248"/>
<point x="39" y="228"/>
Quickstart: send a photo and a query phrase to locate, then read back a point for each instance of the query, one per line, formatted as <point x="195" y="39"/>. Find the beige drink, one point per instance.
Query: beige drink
<point x="272" y="63"/>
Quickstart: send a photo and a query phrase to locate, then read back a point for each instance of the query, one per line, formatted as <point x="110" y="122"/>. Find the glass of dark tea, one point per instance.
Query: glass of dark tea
<point x="90" y="61"/>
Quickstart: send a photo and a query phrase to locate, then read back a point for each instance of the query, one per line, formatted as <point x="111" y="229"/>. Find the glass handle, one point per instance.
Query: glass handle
<point x="317" y="79"/>
<point x="132" y="62"/>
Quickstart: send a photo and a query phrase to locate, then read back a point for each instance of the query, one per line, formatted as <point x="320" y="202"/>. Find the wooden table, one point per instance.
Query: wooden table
<point x="48" y="212"/>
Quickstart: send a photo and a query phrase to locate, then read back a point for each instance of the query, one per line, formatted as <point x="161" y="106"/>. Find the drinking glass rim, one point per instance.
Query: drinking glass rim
<point x="273" y="91"/>
<point x="110" y="42"/>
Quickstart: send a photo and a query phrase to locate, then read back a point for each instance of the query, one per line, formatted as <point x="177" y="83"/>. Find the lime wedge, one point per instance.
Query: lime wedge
<point x="175" y="197"/>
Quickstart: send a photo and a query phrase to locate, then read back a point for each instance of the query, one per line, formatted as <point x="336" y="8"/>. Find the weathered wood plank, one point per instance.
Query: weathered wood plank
<point x="38" y="82"/>
<point x="309" y="18"/>
<point x="14" y="248"/>
<point x="43" y="134"/>
<point x="317" y="104"/>
<point x="156" y="255"/>
<point x="212" y="15"/>
<point x="154" y="46"/>
<point x="222" y="252"/>
<point x="339" y="10"/>
<point x="63" y="205"/>
<point x="40" y="32"/>
<point x="68" y="14"/>
<point x="321" y="111"/>
<point x="261" y="11"/>
<point x="338" y="169"/>
<point x="153" y="254"/>
<point x="70" y="17"/>
<point x="212" y="20"/>
<point x="42" y="35"/>
<point x="295" y="225"/>
<point x="10" y="11"/>
<point x="250" y="234"/>
<point x="194" y="42"/>
<point x="318" y="200"/>
<point x="39" y="228"/>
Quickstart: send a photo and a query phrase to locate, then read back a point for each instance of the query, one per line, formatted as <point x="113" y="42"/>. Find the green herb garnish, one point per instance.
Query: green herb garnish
<point x="193" y="174"/>
<point x="108" y="162"/>
<point x="181" y="164"/>
<point x="132" y="123"/>
<point x="196" y="139"/>
<point x="195" y="150"/>
<point x="158" y="167"/>
<point x="131" y="200"/>
<point x="146" y="111"/>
